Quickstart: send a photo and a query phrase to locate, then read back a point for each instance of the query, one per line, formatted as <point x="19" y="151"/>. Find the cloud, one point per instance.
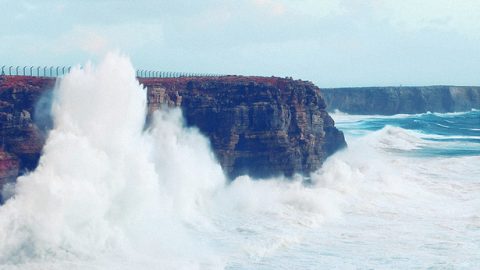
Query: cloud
<point x="317" y="8"/>
<point x="271" y="6"/>
<point x="443" y="15"/>
<point x="92" y="42"/>
<point x="98" y="39"/>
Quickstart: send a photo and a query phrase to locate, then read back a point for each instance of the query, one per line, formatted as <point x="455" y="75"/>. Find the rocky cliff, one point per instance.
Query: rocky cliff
<point x="395" y="100"/>
<point x="257" y="126"/>
<point x="21" y="139"/>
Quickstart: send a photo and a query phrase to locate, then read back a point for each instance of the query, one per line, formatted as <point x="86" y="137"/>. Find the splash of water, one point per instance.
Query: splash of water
<point x="105" y="187"/>
<point x="102" y="183"/>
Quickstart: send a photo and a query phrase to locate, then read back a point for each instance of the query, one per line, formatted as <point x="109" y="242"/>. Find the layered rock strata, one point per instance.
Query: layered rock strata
<point x="257" y="126"/>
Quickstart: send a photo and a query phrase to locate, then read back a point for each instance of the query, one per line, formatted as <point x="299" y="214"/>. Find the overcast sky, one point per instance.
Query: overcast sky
<point x="330" y="42"/>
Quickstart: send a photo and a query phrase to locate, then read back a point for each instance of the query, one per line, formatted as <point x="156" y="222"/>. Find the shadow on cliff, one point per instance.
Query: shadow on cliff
<point x="42" y="116"/>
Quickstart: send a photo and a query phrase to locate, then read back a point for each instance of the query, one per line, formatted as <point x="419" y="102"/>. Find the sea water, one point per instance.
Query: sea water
<point x="109" y="194"/>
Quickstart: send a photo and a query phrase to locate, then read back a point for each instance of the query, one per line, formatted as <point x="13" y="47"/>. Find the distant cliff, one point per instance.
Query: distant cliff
<point x="395" y="100"/>
<point x="257" y="126"/>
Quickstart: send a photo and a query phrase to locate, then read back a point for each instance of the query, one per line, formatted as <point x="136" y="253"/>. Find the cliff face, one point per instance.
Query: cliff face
<point x="21" y="140"/>
<point x="257" y="126"/>
<point x="395" y="100"/>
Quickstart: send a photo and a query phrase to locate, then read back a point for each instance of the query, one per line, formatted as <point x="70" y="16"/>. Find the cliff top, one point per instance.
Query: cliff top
<point x="228" y="79"/>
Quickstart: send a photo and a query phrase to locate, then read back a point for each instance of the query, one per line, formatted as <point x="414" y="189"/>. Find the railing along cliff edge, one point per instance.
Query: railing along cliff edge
<point x="58" y="71"/>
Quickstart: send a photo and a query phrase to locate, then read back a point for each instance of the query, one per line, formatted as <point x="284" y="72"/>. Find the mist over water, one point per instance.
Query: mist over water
<point x="109" y="194"/>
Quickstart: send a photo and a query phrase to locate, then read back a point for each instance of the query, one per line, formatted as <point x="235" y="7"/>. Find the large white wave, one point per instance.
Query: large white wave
<point x="103" y="185"/>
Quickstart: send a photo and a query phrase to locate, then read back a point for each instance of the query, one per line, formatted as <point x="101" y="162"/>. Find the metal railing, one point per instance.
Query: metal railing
<point x="58" y="71"/>
<point x="168" y="74"/>
<point x="35" y="71"/>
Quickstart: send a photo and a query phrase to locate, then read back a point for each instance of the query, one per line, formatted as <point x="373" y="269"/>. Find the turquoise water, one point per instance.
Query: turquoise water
<point x="449" y="134"/>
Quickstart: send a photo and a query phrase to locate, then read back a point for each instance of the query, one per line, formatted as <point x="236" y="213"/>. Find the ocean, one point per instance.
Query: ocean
<point x="108" y="194"/>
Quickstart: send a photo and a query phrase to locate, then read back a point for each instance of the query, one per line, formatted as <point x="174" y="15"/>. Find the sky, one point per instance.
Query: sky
<point x="332" y="43"/>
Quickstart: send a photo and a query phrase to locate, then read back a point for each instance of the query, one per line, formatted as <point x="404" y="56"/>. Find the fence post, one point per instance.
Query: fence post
<point x="45" y="71"/>
<point x="16" y="70"/>
<point x="3" y="70"/>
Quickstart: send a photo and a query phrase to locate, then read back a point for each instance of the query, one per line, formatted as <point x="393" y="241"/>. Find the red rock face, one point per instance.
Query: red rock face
<point x="8" y="168"/>
<point x="21" y="140"/>
<point x="257" y="126"/>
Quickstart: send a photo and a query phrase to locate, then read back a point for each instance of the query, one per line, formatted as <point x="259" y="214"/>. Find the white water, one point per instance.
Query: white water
<point x="109" y="195"/>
